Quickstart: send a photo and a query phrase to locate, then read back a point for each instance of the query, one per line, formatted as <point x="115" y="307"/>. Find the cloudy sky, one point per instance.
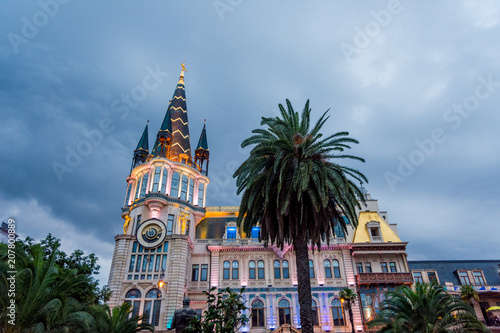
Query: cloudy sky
<point x="417" y="83"/>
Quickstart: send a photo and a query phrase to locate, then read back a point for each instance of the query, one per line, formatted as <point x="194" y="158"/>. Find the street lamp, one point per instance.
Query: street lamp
<point x="343" y="314"/>
<point x="162" y="276"/>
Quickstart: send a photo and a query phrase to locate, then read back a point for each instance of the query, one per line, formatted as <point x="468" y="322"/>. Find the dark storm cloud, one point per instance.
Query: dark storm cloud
<point x="390" y="71"/>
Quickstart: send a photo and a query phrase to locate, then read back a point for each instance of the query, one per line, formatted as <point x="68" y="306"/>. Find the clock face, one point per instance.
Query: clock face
<point x="151" y="233"/>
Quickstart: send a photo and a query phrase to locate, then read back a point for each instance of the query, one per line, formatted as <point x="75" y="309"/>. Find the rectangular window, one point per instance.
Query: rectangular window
<point x="359" y="267"/>
<point x="392" y="267"/>
<point x="277" y="272"/>
<point x="478" y="278"/>
<point x="151" y="260"/>
<point x="432" y="276"/>
<point x="132" y="262"/>
<point x="174" y="191"/>
<point x="194" y="273"/>
<point x="157" y="265"/>
<point x="191" y="190"/>
<point x="138" y="266"/>
<point x="164" y="181"/>
<point x="137" y="188"/>
<point x="156" y="179"/>
<point x="200" y="195"/>
<point x="231" y="233"/>
<point x="137" y="223"/>
<point x="129" y="189"/>
<point x="418" y="277"/>
<point x="134" y="247"/>
<point x="170" y="224"/>
<point x="156" y="313"/>
<point x="198" y="313"/>
<point x="164" y="263"/>
<point x="368" y="267"/>
<point x="251" y="272"/>
<point x="464" y="278"/>
<point x="204" y="273"/>
<point x="144" y="184"/>
<point x="145" y="263"/>
<point x="184" y="187"/>
<point x="384" y="267"/>
<point x="258" y="317"/>
<point x="255" y="232"/>
<point x="165" y="247"/>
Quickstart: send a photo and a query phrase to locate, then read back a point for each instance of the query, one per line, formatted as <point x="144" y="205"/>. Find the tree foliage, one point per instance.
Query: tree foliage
<point x="294" y="187"/>
<point x="348" y="297"/>
<point x="428" y="308"/>
<point x="469" y="295"/>
<point x="118" y="320"/>
<point x="53" y="291"/>
<point x="225" y="313"/>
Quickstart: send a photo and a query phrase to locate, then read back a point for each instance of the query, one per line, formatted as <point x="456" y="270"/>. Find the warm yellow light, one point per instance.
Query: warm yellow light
<point x="160" y="284"/>
<point x="342" y="300"/>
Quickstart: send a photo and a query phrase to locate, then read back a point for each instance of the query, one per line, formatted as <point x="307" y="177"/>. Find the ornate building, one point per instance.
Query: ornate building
<point x="174" y="246"/>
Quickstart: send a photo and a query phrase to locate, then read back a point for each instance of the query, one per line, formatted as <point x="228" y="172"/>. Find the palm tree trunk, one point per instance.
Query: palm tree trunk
<point x="351" y="318"/>
<point x="304" y="284"/>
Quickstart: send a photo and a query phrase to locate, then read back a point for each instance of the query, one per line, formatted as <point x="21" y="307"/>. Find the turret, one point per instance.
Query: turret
<point x="202" y="154"/>
<point x="142" y="151"/>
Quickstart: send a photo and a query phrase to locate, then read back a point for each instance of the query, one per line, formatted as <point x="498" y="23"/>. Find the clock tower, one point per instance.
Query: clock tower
<point x="164" y="201"/>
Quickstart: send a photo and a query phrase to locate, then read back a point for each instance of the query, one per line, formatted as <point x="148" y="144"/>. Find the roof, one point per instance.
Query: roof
<point x="202" y="143"/>
<point x="361" y="235"/>
<point x="212" y="227"/>
<point x="143" y="142"/>
<point x="446" y="269"/>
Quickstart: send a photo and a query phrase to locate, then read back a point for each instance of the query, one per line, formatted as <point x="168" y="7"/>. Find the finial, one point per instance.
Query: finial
<point x="147" y="121"/>
<point x="204" y="120"/>
<point x="183" y="66"/>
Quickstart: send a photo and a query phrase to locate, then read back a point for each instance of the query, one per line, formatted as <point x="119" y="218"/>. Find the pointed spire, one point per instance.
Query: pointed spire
<point x="142" y="151"/>
<point x="143" y="142"/>
<point x="202" y="142"/>
<point x="202" y="154"/>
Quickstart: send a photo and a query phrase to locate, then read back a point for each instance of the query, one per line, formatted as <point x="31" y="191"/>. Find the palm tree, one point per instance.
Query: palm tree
<point x="428" y="308"/>
<point x="469" y="295"/>
<point x="293" y="187"/>
<point x="347" y="297"/>
<point x="42" y="301"/>
<point x="117" y="320"/>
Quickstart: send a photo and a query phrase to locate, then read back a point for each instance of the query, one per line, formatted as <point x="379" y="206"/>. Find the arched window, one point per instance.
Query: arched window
<point x="152" y="318"/>
<point x="235" y="272"/>
<point x="336" y="268"/>
<point x="311" y="269"/>
<point x="191" y="190"/>
<point x="201" y="189"/>
<point x="156" y="179"/>
<point x="144" y="184"/>
<point x="260" y="266"/>
<point x="286" y="274"/>
<point x="315" y="313"/>
<point x="337" y="314"/>
<point x="284" y="312"/>
<point x="174" y="191"/>
<point x="225" y="274"/>
<point x="133" y="297"/>
<point x="328" y="268"/>
<point x="184" y="187"/>
<point x="258" y="319"/>
<point x="164" y="181"/>
<point x="251" y="269"/>
<point x="277" y="269"/>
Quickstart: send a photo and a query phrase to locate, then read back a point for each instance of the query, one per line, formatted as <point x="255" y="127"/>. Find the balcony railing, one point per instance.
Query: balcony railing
<point x="374" y="278"/>
<point x="377" y="239"/>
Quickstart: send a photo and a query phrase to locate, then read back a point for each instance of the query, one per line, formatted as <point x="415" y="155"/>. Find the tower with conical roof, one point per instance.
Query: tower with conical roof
<point x="165" y="200"/>
<point x="142" y="150"/>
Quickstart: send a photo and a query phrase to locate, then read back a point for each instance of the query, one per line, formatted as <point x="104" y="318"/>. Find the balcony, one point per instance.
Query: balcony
<point x="384" y="278"/>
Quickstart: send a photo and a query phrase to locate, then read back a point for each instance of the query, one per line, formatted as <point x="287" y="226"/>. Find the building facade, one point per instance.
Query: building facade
<point x="173" y="246"/>
<point x="482" y="275"/>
